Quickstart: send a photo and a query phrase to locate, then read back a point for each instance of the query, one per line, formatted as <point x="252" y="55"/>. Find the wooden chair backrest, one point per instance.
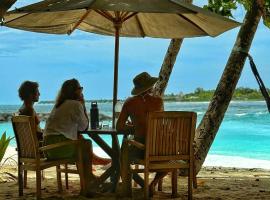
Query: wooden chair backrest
<point x="27" y="142"/>
<point x="170" y="135"/>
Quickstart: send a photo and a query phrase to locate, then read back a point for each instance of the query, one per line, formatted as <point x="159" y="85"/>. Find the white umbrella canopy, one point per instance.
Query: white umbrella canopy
<point x="128" y="18"/>
<point x="139" y="18"/>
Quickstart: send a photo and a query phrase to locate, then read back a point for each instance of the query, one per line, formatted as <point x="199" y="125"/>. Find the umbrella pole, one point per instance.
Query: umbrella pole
<point x="116" y="60"/>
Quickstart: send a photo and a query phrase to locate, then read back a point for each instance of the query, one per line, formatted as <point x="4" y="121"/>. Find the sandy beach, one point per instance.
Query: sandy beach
<point x="213" y="183"/>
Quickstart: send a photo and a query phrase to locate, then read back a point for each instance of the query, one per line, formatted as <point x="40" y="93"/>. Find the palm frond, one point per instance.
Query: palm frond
<point x="4" y="142"/>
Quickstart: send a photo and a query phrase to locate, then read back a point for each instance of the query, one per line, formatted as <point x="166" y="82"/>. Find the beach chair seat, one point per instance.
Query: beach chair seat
<point x="67" y="168"/>
<point x="29" y="158"/>
<point x="168" y="147"/>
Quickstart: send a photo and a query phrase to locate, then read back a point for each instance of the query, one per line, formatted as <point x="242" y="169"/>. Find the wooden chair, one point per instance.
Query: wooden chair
<point x="33" y="128"/>
<point x="169" y="145"/>
<point x="66" y="168"/>
<point x="29" y="153"/>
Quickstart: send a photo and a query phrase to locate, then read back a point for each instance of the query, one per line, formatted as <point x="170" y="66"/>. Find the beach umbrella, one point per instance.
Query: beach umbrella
<point x="4" y="6"/>
<point x="129" y="18"/>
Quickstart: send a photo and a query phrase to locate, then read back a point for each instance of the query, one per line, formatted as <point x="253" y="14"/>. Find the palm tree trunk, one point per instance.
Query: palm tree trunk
<point x="168" y="63"/>
<point x="167" y="66"/>
<point x="208" y="127"/>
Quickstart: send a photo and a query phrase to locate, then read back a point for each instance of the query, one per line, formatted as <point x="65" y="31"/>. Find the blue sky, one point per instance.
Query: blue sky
<point x="51" y="59"/>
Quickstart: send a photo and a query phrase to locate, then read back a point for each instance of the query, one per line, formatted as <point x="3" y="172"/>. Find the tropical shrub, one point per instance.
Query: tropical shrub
<point x="4" y="142"/>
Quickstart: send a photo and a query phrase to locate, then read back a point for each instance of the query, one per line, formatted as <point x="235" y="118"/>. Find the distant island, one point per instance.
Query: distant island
<point x="87" y="101"/>
<point x="199" y="94"/>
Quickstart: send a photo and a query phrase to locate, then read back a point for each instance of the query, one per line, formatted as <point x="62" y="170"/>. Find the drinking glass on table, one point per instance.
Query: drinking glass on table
<point x="105" y="125"/>
<point x="100" y="125"/>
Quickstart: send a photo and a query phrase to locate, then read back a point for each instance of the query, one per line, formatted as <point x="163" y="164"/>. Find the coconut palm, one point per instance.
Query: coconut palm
<point x="208" y="128"/>
<point x="211" y="121"/>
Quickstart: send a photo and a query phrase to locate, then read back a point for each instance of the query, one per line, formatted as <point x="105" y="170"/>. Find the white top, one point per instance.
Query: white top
<point x="67" y="120"/>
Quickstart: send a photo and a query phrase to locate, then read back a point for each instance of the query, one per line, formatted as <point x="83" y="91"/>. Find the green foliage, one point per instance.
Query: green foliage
<point x="199" y="94"/>
<point x="222" y="7"/>
<point x="266" y="10"/>
<point x="4" y="142"/>
<point x="225" y="8"/>
<point x="266" y="15"/>
<point x="247" y="94"/>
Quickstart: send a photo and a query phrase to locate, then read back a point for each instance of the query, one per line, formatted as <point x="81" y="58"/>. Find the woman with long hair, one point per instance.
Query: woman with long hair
<point x="66" y="119"/>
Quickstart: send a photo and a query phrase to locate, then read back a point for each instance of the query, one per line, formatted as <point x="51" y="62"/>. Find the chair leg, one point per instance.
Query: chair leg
<point x="195" y="185"/>
<point x="43" y="175"/>
<point x="146" y="184"/>
<point x="24" y="178"/>
<point x="160" y="182"/>
<point x="190" y="179"/>
<point x="174" y="183"/>
<point x="66" y="176"/>
<point x="194" y="176"/>
<point x="135" y="183"/>
<point x="126" y="173"/>
<point x="139" y="180"/>
<point x="20" y="179"/>
<point x="38" y="183"/>
<point x="59" y="180"/>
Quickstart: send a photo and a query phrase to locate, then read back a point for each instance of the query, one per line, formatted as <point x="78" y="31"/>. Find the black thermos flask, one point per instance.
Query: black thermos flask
<point x="94" y="115"/>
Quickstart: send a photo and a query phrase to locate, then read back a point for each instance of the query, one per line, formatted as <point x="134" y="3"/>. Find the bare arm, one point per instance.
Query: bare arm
<point x="122" y="124"/>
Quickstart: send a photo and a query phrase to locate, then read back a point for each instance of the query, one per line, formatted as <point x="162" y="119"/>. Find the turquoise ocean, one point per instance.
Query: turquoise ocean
<point x="243" y="140"/>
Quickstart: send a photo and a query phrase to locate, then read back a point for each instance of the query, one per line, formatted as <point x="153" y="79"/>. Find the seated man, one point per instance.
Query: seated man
<point x="136" y="108"/>
<point x="29" y="94"/>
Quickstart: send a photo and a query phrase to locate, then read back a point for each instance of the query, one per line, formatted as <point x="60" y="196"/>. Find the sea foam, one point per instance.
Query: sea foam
<point x="218" y="160"/>
<point x="211" y="160"/>
<point x="235" y="161"/>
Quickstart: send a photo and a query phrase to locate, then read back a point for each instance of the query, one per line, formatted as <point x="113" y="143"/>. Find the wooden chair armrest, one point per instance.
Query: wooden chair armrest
<point x="136" y="144"/>
<point x="126" y="131"/>
<point x="60" y="144"/>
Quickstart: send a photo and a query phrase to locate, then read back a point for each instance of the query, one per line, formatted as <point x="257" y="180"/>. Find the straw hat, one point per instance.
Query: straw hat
<point x="143" y="82"/>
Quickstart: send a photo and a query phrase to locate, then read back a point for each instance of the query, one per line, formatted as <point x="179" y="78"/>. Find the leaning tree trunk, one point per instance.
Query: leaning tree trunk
<point x="208" y="127"/>
<point x="167" y="65"/>
<point x="4" y="6"/>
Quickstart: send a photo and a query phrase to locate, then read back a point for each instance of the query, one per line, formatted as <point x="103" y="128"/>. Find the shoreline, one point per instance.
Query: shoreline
<point x="101" y="101"/>
<point x="210" y="161"/>
<point x="6" y="117"/>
